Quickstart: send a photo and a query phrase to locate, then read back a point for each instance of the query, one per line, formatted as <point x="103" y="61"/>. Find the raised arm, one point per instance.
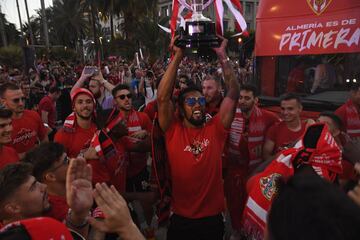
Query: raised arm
<point x="108" y="86"/>
<point x="166" y="87"/>
<point x="81" y="81"/>
<point x="228" y="105"/>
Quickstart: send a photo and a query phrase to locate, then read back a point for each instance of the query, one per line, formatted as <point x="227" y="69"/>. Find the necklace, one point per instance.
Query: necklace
<point x="197" y="143"/>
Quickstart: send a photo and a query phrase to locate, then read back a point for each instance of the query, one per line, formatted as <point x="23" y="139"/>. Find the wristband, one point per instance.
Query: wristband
<point x="72" y="225"/>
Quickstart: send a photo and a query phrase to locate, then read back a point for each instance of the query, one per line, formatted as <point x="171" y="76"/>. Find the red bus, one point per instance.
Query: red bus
<point x="311" y="47"/>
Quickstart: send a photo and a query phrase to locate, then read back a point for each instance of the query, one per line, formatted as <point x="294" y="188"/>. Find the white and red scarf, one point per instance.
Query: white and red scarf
<point x="325" y="159"/>
<point x="255" y="133"/>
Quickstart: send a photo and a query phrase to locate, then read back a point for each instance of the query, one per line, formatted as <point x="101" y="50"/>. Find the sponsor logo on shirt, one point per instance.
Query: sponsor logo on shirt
<point x="197" y="147"/>
<point x="24" y="136"/>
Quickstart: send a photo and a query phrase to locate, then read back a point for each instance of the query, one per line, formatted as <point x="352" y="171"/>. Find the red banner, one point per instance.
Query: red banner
<point x="300" y="27"/>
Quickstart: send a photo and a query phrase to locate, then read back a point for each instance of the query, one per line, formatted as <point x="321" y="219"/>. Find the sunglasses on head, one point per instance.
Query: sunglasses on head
<point x="17" y="100"/>
<point x="191" y="101"/>
<point x="122" y="96"/>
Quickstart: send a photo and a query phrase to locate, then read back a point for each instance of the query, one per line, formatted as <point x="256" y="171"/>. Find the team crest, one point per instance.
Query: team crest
<point x="318" y="6"/>
<point x="268" y="185"/>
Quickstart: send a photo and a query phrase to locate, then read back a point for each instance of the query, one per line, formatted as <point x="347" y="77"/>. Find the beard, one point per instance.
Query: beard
<point x="82" y="116"/>
<point x="197" y="122"/>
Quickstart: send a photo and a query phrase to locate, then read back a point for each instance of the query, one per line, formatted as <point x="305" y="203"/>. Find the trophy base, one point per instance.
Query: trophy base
<point x="198" y="34"/>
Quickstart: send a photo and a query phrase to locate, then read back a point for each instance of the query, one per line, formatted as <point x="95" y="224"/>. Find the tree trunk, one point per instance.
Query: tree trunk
<point x="93" y="19"/>
<point x="29" y="25"/>
<point x="45" y="26"/>
<point x="20" y="22"/>
<point x="112" y="20"/>
<point x="2" y="29"/>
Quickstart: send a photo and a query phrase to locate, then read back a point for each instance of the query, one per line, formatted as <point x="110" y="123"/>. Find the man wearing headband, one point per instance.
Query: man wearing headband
<point x="79" y="126"/>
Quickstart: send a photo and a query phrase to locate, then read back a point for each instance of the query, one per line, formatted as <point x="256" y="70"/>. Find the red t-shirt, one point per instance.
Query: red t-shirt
<point x="112" y="171"/>
<point x="196" y="168"/>
<point x="27" y="131"/>
<point x="137" y="161"/>
<point x="59" y="207"/>
<point x="7" y="155"/>
<point x="151" y="109"/>
<point x="282" y="136"/>
<point x="77" y="141"/>
<point x="46" y="104"/>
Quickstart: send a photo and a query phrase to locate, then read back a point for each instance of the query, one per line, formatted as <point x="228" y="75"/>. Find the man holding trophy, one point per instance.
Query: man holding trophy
<point x="194" y="145"/>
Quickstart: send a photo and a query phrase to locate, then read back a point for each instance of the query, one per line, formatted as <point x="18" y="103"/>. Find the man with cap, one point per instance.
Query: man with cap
<point x="79" y="127"/>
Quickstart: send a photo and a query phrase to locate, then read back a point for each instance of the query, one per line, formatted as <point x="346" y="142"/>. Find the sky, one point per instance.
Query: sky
<point x="8" y="7"/>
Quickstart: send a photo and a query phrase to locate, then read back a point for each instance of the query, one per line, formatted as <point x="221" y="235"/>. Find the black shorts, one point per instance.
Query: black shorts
<point x="206" y="228"/>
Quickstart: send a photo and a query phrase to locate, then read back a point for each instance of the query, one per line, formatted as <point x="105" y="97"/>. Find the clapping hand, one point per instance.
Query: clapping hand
<point x="79" y="187"/>
<point x="117" y="215"/>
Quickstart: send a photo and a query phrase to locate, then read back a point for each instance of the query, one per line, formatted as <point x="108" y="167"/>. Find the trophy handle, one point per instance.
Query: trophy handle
<point x="188" y="6"/>
<point x="185" y="4"/>
<point x="207" y="4"/>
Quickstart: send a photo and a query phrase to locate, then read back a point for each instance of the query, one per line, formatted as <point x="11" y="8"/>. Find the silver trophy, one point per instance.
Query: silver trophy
<point x="199" y="31"/>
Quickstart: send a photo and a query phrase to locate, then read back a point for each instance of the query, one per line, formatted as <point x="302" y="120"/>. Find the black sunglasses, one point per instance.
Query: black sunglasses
<point x="122" y="96"/>
<point x="17" y="100"/>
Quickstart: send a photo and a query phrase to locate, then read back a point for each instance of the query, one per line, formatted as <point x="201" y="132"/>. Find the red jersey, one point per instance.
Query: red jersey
<point x="151" y="109"/>
<point x="111" y="171"/>
<point x="196" y="168"/>
<point x="137" y="121"/>
<point x="27" y="131"/>
<point x="350" y="117"/>
<point x="282" y="136"/>
<point x="46" y="104"/>
<point x="75" y="142"/>
<point x="8" y="155"/>
<point x="59" y="207"/>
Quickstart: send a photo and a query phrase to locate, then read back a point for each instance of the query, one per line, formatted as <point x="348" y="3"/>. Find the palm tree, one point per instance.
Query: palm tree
<point x="28" y="18"/>
<point x="2" y="29"/>
<point x="45" y="26"/>
<point x="70" y="23"/>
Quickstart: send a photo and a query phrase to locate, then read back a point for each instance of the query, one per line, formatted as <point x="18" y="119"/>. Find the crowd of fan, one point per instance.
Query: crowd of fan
<point x="177" y="142"/>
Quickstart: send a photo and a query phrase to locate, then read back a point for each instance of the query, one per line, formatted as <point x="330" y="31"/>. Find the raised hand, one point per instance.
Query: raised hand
<point x="117" y="215"/>
<point x="221" y="51"/>
<point x="78" y="187"/>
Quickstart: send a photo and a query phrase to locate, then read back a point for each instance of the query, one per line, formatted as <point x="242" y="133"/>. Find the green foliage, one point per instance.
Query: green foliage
<point x="11" y="56"/>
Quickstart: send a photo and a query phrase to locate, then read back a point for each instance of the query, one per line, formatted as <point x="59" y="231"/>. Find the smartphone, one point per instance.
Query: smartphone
<point x="91" y="70"/>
